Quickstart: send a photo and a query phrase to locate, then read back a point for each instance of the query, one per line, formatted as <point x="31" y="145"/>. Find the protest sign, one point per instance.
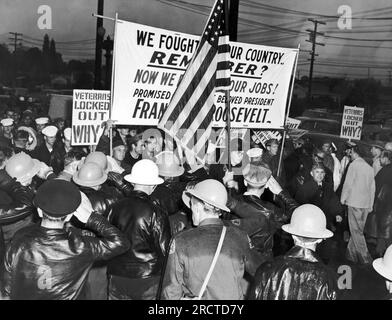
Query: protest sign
<point x="90" y="109"/>
<point x="352" y="123"/>
<point x="292" y="123"/>
<point x="261" y="136"/>
<point x="149" y="64"/>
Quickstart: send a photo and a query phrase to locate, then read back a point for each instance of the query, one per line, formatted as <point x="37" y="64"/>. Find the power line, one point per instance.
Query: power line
<point x="304" y="13"/>
<point x="356" y="45"/>
<point x="356" y="39"/>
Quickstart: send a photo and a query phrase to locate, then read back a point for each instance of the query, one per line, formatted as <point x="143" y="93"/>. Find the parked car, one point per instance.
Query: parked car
<point x="320" y="125"/>
<point x="322" y="114"/>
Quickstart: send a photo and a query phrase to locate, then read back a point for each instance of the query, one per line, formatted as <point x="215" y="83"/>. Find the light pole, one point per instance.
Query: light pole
<point x="98" y="47"/>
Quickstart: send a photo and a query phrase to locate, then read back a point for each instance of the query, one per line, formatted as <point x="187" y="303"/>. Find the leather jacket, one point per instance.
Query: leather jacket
<point x="51" y="264"/>
<point x="101" y="201"/>
<point x="297" y="275"/>
<point x="16" y="208"/>
<point x="19" y="194"/>
<point x="168" y="196"/>
<point x="260" y="219"/>
<point x="379" y="222"/>
<point x="148" y="229"/>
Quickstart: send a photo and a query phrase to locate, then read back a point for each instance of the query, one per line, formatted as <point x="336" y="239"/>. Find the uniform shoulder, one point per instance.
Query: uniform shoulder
<point x="235" y="230"/>
<point x="187" y="234"/>
<point x="24" y="235"/>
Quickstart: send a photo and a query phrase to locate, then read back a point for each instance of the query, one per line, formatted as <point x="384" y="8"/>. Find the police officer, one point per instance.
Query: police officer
<point x="114" y="185"/>
<point x="168" y="194"/>
<point x="259" y="218"/>
<point x="90" y="179"/>
<point x="299" y="274"/>
<point x="24" y="169"/>
<point x="136" y="273"/>
<point x="51" y="261"/>
<point x="192" y="250"/>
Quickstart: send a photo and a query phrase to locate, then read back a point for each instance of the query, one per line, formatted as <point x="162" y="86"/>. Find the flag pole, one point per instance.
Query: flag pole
<point x="288" y="112"/>
<point x="112" y="85"/>
<point x="227" y="95"/>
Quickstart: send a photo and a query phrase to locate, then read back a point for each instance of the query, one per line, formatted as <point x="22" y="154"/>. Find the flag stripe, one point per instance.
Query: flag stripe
<point x="222" y="83"/>
<point x="198" y="120"/>
<point x="224" y="48"/>
<point x="192" y="106"/>
<point x="223" y="65"/>
<point x="205" y="123"/>
<point x="195" y="72"/>
<point x="195" y="94"/>
<point x="187" y="78"/>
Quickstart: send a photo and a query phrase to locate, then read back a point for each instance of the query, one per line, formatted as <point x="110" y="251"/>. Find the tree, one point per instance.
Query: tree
<point x="5" y="64"/>
<point x="46" y="46"/>
<point x="52" y="48"/>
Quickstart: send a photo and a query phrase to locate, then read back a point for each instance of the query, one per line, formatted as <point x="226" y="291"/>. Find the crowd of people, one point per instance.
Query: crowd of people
<point x="134" y="218"/>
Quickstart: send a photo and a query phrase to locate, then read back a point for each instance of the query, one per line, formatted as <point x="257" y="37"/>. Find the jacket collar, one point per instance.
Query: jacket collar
<point x="209" y="221"/>
<point x="52" y="231"/>
<point x="140" y="194"/>
<point x="303" y="254"/>
<point x="251" y="194"/>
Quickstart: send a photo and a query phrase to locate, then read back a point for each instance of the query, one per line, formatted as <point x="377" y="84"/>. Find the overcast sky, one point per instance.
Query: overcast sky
<point x="261" y="21"/>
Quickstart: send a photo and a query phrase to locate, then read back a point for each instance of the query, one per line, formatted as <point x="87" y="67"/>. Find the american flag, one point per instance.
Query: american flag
<point x="189" y="115"/>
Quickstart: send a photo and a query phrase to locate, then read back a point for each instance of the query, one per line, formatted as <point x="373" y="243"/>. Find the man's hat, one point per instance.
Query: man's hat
<point x="28" y="111"/>
<point x="7" y="122"/>
<point x="58" y="198"/>
<point x="257" y="174"/>
<point x="350" y="144"/>
<point x="378" y="144"/>
<point x="118" y="142"/>
<point x="254" y="152"/>
<point x="42" y="120"/>
<point x="50" y="131"/>
<point x="67" y="133"/>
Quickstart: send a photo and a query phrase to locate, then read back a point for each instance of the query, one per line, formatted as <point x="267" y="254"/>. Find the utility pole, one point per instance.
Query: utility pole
<point x="98" y="47"/>
<point x="15" y="40"/>
<point x="108" y="47"/>
<point x="233" y="19"/>
<point x="313" y="34"/>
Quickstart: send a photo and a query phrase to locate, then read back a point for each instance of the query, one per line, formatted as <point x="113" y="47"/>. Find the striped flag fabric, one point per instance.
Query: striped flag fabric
<point x="188" y="118"/>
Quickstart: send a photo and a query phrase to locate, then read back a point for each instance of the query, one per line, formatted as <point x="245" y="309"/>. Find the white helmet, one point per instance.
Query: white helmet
<point x="384" y="265"/>
<point x="308" y="221"/>
<point x="144" y="172"/>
